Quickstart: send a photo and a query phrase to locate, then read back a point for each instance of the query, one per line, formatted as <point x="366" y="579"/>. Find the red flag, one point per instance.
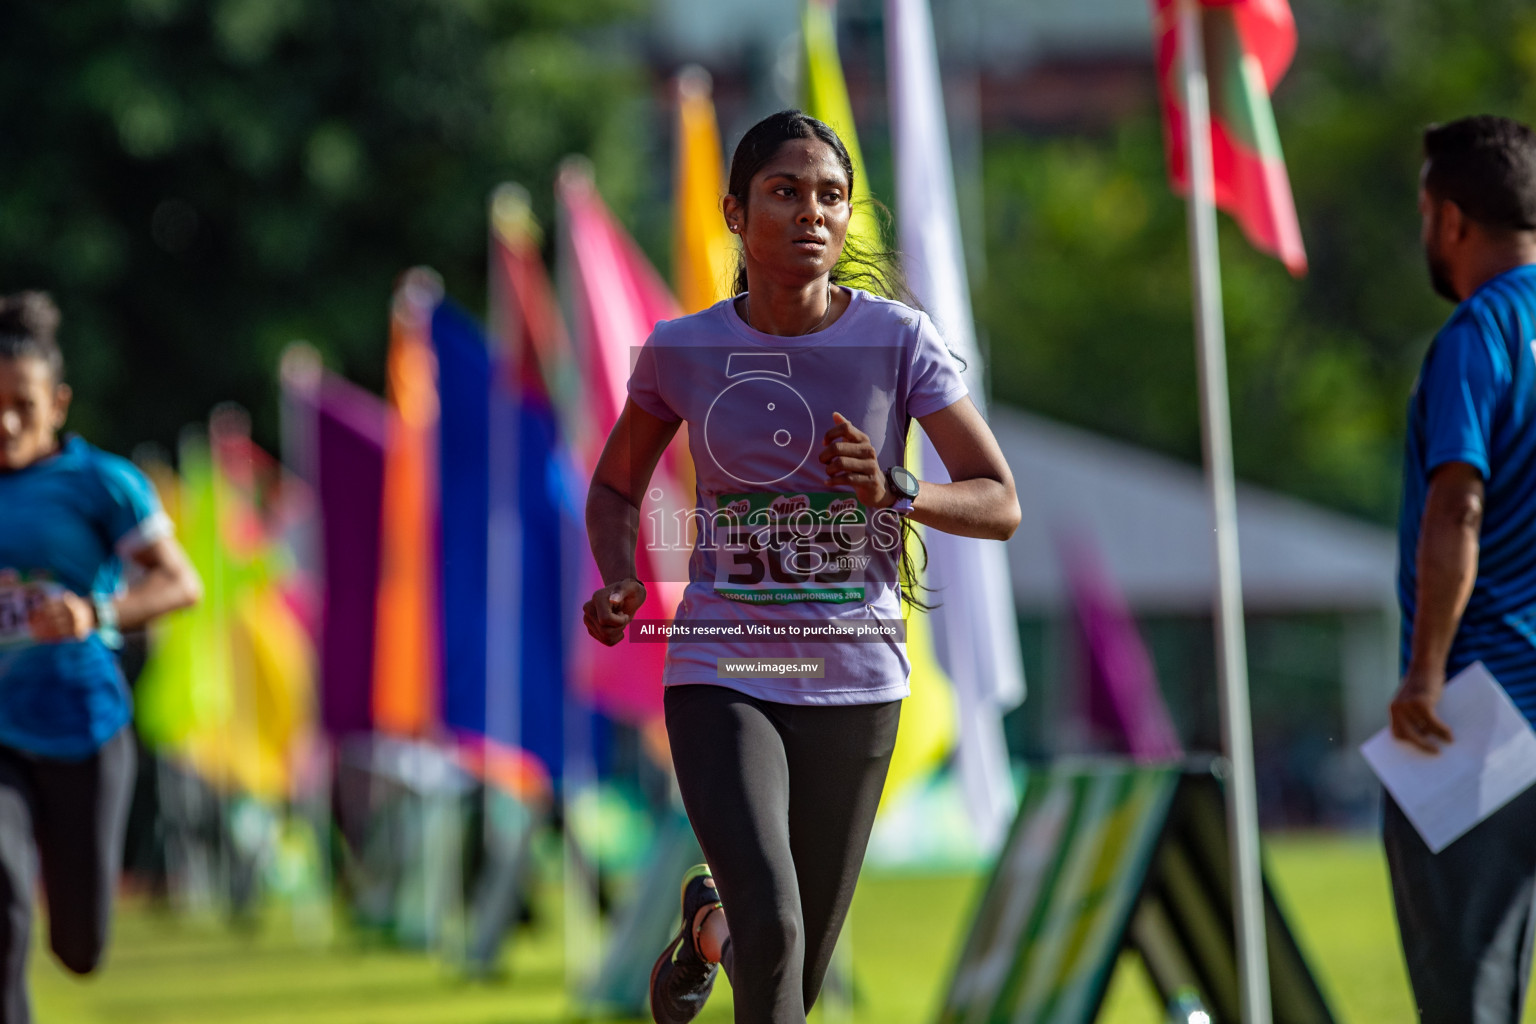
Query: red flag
<point x="618" y="298"/>
<point x="525" y="314"/>
<point x="1248" y="46"/>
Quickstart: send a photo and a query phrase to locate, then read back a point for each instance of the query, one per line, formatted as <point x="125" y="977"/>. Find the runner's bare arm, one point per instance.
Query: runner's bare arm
<point x="619" y="482"/>
<point x="168" y="582"/>
<point x="981" y="500"/>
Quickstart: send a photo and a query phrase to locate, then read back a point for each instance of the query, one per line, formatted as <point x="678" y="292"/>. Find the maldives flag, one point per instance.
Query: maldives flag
<point x="1248" y="46"/>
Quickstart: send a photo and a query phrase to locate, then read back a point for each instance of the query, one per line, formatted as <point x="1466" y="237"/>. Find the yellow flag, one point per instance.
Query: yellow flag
<point x="253" y="751"/>
<point x="929" y="722"/>
<point x="187" y="687"/>
<point x="702" y="248"/>
<point x="826" y="99"/>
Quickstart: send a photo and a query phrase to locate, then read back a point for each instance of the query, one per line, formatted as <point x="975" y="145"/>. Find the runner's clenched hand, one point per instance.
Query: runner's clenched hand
<point x="851" y="461"/>
<point x="611" y="609"/>
<point x="59" y="617"/>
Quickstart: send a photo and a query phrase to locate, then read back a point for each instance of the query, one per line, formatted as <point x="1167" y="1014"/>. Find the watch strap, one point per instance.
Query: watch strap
<point x="106" y="620"/>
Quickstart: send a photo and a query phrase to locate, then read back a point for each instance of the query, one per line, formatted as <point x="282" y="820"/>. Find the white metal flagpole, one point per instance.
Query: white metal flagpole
<point x="1215" y="420"/>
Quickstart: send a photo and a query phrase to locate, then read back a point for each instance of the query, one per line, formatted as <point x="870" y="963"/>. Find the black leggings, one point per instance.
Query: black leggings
<point x="67" y="817"/>
<point x="782" y="798"/>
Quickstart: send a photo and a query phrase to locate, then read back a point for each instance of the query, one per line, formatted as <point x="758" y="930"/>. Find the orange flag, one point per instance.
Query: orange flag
<point x="407" y="660"/>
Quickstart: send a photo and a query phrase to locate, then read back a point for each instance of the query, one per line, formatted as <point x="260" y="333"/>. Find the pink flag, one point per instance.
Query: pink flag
<point x="1125" y="705"/>
<point x="617" y="298"/>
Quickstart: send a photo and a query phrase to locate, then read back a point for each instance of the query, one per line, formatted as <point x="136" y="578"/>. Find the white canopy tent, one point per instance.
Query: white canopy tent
<point x="1149" y="518"/>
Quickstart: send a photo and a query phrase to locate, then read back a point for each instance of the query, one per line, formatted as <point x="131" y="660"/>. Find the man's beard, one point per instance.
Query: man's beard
<point x="1439" y="279"/>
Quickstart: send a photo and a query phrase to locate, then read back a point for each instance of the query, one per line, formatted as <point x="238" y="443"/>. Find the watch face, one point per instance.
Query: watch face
<point x="905" y="482"/>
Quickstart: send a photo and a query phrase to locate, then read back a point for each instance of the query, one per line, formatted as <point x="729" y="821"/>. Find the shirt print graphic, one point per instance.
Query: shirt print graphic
<point x="782" y="434"/>
<point x="777" y="546"/>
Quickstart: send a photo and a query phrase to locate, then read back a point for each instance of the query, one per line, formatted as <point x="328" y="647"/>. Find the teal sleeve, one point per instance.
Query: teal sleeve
<point x="131" y="511"/>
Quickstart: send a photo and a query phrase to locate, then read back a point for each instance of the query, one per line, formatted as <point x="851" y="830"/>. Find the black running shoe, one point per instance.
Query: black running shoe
<point x="682" y="979"/>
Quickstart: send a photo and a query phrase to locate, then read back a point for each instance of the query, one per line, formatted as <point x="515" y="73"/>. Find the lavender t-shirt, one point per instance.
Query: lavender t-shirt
<point x="775" y="544"/>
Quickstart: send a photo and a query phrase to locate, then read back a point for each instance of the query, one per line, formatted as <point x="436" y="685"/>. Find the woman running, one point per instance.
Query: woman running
<point x="798" y="395"/>
<point x="71" y="516"/>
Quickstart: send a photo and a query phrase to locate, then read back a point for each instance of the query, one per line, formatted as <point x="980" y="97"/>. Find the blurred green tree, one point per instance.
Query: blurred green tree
<point x="1087" y="297"/>
<point x="200" y="182"/>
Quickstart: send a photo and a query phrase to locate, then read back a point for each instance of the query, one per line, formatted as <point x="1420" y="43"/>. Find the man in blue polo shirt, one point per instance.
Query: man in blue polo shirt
<point x="1467" y="562"/>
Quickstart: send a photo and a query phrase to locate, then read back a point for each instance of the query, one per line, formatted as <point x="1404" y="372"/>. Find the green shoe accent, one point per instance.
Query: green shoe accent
<point x="697" y="871"/>
<point x="682" y="979"/>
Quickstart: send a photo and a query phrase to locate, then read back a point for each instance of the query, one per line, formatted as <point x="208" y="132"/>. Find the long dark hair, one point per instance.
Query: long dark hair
<point x="871" y="268"/>
<point x="866" y="265"/>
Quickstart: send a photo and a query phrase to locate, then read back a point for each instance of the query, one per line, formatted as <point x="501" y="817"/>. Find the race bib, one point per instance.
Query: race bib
<point x="17" y="599"/>
<point x="780" y="548"/>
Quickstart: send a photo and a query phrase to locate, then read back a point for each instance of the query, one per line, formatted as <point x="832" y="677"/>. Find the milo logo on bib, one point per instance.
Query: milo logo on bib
<point x="18" y="596"/>
<point x="779" y="548"/>
<point x="788" y="504"/>
<point x="845" y="505"/>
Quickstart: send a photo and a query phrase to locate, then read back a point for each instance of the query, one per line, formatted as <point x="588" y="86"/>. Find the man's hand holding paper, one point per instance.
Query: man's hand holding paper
<point x="1413" y="711"/>
<point x="1491" y="762"/>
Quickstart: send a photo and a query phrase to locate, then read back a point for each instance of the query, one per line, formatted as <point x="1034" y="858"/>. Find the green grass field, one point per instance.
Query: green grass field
<point x="168" y="970"/>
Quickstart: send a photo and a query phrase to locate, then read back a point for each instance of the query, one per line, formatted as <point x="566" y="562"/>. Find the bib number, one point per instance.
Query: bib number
<point x="777" y="549"/>
<point x="16" y="601"/>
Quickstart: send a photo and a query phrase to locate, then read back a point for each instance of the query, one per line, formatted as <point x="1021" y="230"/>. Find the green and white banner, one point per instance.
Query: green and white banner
<point x="1106" y="855"/>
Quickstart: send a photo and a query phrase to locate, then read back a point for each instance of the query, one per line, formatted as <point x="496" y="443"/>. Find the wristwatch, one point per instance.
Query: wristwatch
<point x="106" y="620"/>
<point x="904" y="483"/>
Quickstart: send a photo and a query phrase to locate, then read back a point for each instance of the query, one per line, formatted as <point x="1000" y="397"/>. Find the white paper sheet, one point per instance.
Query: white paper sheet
<point x="1491" y="762"/>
